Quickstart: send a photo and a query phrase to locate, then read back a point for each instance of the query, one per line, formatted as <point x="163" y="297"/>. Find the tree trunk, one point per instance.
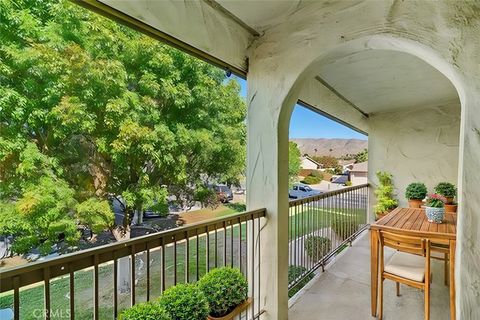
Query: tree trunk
<point x="123" y="276"/>
<point x="138" y="216"/>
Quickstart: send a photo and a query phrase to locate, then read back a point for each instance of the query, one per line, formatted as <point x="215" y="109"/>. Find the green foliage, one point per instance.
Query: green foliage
<point x="384" y="193"/>
<point x="348" y="183"/>
<point x="95" y="213"/>
<point x="362" y="156"/>
<point x="145" y="311"/>
<point x="317" y="247"/>
<point x="207" y="197"/>
<point x="185" y="302"/>
<point x="293" y="273"/>
<point x="311" y="180"/>
<point x="326" y="161"/>
<point x="416" y="190"/>
<point x="335" y="170"/>
<point x="41" y="217"/>
<point x="344" y="226"/>
<point x="436" y="201"/>
<point x="225" y="288"/>
<point x="446" y="189"/>
<point x="105" y="110"/>
<point x="294" y="161"/>
<point x="316" y="173"/>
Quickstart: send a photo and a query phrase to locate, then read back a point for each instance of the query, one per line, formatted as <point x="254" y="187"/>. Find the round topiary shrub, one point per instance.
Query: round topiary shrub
<point x="185" y="302"/>
<point x="416" y="190"/>
<point x="446" y="189"/>
<point x="225" y="288"/>
<point x="317" y="247"/>
<point x="145" y="311"/>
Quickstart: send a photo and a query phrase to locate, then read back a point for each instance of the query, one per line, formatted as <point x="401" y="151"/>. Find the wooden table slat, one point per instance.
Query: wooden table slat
<point x="412" y="220"/>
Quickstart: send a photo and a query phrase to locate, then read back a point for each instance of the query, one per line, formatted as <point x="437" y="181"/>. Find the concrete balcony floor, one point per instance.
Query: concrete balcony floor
<point x="343" y="291"/>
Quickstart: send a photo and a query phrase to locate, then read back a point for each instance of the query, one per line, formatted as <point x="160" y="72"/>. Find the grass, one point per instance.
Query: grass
<point x="301" y="223"/>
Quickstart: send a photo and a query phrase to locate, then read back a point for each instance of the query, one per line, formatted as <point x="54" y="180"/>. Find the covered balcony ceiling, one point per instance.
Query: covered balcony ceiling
<point x="384" y="80"/>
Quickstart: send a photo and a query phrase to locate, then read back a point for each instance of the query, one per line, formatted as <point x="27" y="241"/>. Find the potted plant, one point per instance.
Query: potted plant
<point x="185" y="302"/>
<point x="449" y="191"/>
<point x="226" y="290"/>
<point x="415" y="193"/>
<point x="145" y="311"/>
<point x="434" y="209"/>
<point x="384" y="194"/>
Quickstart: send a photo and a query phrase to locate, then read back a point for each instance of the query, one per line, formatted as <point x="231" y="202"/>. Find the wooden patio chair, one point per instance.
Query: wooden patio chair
<point x="409" y="265"/>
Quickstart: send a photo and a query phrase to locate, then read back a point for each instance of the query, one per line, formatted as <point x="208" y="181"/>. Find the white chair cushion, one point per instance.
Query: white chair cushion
<point x="407" y="265"/>
<point x="437" y="255"/>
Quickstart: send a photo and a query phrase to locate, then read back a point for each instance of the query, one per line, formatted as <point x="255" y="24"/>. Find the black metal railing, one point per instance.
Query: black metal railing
<point x="99" y="283"/>
<point x="321" y="226"/>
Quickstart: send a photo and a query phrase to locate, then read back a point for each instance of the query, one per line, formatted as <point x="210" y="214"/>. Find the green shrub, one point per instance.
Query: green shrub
<point x="343" y="227"/>
<point x="311" y="180"/>
<point x="446" y="189"/>
<point x="185" y="302"/>
<point x="348" y="183"/>
<point x="317" y="247"/>
<point x="225" y="288"/>
<point x="293" y="273"/>
<point x="416" y="190"/>
<point x="207" y="197"/>
<point x="384" y="193"/>
<point x="316" y="173"/>
<point x="145" y="311"/>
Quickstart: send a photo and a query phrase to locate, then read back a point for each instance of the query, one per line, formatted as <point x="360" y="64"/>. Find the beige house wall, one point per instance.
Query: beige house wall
<point x="416" y="145"/>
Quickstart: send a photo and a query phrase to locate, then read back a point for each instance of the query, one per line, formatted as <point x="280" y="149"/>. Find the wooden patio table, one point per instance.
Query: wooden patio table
<point x="413" y="222"/>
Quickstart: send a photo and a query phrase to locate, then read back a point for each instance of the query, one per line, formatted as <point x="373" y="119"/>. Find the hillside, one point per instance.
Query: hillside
<point x="333" y="147"/>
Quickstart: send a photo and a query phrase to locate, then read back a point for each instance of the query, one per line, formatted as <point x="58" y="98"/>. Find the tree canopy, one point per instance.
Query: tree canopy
<point x="90" y="110"/>
<point x="362" y="156"/>
<point x="294" y="161"/>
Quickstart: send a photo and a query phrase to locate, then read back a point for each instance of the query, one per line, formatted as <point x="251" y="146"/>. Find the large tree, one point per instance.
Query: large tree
<point x="294" y="162"/>
<point x="113" y="112"/>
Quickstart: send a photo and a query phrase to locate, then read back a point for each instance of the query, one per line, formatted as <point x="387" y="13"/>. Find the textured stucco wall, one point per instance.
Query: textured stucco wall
<point x="418" y="144"/>
<point x="445" y="34"/>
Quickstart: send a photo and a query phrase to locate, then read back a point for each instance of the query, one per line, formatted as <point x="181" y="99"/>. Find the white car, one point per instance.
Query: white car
<point x="300" y="191"/>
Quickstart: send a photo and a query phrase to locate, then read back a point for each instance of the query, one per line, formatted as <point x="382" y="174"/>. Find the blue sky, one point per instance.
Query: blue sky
<point x="308" y="124"/>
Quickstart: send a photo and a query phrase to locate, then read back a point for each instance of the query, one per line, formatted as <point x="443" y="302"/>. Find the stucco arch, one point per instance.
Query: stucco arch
<point x="275" y="82"/>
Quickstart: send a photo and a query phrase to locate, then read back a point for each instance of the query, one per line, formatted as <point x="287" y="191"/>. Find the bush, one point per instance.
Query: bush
<point x="185" y="302"/>
<point x="316" y="173"/>
<point x="207" y="197"/>
<point x="384" y="193"/>
<point x="342" y="227"/>
<point x="446" y="189"/>
<point x="311" y="180"/>
<point x="145" y="311"/>
<point x="293" y="273"/>
<point x="225" y="288"/>
<point x="348" y="183"/>
<point x="317" y="247"/>
<point x="416" y="190"/>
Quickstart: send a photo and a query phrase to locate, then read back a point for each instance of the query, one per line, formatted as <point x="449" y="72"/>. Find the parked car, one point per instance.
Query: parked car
<point x="224" y="193"/>
<point x="300" y="191"/>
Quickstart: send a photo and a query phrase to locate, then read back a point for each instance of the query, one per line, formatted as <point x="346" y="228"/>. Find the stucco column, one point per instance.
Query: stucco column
<point x="467" y="267"/>
<point x="267" y="185"/>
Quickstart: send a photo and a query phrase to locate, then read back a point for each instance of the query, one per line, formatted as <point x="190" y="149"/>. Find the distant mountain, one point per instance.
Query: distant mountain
<point x="332" y="147"/>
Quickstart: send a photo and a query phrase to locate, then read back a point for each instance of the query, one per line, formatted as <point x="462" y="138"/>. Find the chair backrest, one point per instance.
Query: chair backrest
<point x="404" y="243"/>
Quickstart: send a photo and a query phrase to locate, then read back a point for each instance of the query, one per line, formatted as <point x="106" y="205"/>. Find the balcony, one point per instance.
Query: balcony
<point x="343" y="291"/>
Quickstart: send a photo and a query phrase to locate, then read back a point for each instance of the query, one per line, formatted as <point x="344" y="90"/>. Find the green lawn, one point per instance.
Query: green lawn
<point x="31" y="298"/>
